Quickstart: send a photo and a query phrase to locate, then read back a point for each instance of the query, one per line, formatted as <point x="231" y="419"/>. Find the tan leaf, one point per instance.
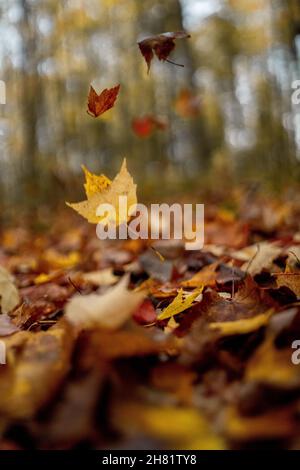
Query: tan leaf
<point x="110" y="310"/>
<point x="8" y="291"/>
<point x="263" y="256"/>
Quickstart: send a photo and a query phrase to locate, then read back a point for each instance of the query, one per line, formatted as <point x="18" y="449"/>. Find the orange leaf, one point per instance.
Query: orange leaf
<point x="161" y="45"/>
<point x="98" y="104"/>
<point x="187" y="105"/>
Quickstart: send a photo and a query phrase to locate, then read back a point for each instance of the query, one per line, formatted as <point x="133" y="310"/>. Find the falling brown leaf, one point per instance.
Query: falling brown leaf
<point x="98" y="104"/>
<point x="161" y="45"/>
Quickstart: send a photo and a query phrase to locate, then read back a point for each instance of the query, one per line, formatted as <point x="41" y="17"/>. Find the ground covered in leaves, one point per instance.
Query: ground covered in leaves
<point x="144" y="345"/>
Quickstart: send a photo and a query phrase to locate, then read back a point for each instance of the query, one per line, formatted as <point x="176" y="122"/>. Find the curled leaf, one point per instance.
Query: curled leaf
<point x="161" y="45"/>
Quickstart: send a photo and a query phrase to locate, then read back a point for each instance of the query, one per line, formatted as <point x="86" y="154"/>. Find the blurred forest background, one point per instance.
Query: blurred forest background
<point x="231" y="120"/>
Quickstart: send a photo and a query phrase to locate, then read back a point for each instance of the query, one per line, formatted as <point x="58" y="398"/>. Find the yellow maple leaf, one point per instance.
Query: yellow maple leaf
<point x="122" y="185"/>
<point x="182" y="302"/>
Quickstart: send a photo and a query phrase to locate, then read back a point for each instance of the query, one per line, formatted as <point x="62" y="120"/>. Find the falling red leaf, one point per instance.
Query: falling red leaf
<point x="98" y="104"/>
<point x="161" y="45"/>
<point x="145" y="126"/>
<point x="145" y="313"/>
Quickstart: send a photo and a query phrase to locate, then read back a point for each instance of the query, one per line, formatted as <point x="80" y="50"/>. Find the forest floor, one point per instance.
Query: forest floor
<point x="198" y="351"/>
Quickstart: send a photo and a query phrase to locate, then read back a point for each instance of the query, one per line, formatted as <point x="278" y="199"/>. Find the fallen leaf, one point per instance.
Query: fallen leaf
<point x="105" y="277"/>
<point x="98" y="104"/>
<point x="33" y="376"/>
<point x="243" y="326"/>
<point x="145" y="313"/>
<point x="263" y="256"/>
<point x="161" y="45"/>
<point x="290" y="280"/>
<point x="178" y="428"/>
<point x="6" y="326"/>
<point x="182" y="302"/>
<point x="274" y="424"/>
<point x="206" y="277"/>
<point x="109" y="310"/>
<point x="122" y="185"/>
<point x="8" y="291"/>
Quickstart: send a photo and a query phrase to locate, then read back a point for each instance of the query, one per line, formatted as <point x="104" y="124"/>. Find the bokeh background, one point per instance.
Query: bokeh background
<point x="231" y="120"/>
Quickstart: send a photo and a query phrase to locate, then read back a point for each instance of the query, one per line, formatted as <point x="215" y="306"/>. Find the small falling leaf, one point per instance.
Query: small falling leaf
<point x="145" y="126"/>
<point x="182" y="302"/>
<point x="187" y="104"/>
<point x="161" y="45"/>
<point x="98" y="104"/>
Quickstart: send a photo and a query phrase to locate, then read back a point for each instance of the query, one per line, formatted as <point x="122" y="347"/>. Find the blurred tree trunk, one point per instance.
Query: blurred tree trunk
<point x="31" y="99"/>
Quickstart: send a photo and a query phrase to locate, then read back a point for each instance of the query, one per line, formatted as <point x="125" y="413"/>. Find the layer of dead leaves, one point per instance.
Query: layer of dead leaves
<point x="136" y="344"/>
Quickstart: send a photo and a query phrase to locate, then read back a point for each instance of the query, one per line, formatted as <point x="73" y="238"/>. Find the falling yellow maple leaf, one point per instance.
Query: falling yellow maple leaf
<point x="182" y="302"/>
<point x="100" y="191"/>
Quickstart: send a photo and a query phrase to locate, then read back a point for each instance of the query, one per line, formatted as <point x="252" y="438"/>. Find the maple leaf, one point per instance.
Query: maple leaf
<point x="161" y="45"/>
<point x="122" y="185"/>
<point x="109" y="310"/>
<point x="182" y="302"/>
<point x="98" y="104"/>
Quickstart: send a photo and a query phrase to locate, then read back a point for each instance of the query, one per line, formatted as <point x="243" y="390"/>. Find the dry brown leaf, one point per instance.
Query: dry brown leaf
<point x="98" y="104"/>
<point x="161" y="45"/>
